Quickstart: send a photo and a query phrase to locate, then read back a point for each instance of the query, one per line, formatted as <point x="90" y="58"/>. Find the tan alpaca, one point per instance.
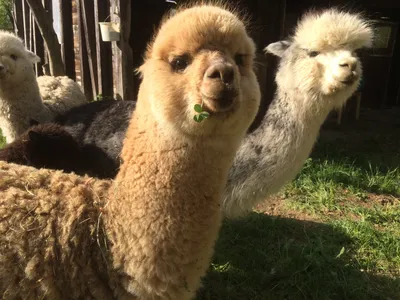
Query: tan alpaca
<point x="155" y="234"/>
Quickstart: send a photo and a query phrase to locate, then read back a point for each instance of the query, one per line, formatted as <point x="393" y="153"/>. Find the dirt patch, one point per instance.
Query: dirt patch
<point x="275" y="206"/>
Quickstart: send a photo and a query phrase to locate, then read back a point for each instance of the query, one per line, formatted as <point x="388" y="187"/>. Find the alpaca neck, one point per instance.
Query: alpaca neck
<point x="18" y="106"/>
<point x="274" y="153"/>
<point x="165" y="208"/>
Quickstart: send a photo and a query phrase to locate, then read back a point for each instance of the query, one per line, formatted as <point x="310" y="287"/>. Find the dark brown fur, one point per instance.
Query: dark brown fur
<point x="51" y="146"/>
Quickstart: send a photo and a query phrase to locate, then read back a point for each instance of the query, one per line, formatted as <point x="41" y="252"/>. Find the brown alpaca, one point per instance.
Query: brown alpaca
<point x="51" y="146"/>
<point x="152" y="237"/>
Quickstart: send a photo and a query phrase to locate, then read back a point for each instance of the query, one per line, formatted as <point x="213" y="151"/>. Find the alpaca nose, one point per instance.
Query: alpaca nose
<point x="221" y="71"/>
<point x="349" y="63"/>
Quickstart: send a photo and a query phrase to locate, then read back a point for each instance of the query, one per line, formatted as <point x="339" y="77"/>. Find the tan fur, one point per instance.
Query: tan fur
<point x="162" y="214"/>
<point x="178" y="168"/>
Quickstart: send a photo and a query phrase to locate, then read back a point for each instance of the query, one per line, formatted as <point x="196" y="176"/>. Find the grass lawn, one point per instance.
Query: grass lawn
<point x="2" y="140"/>
<point x="333" y="233"/>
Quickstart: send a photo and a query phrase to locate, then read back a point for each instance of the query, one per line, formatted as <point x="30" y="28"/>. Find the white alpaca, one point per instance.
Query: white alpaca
<point x="318" y="72"/>
<point x="20" y="99"/>
<point x="60" y="93"/>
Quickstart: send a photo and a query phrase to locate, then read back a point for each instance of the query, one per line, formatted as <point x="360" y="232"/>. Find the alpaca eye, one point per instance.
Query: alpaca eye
<point x="239" y="59"/>
<point x="14" y="57"/>
<point x="180" y="63"/>
<point x="313" y="53"/>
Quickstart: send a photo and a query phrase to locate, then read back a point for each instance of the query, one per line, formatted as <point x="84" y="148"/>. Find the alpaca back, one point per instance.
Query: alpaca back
<point x="50" y="227"/>
<point x="100" y="124"/>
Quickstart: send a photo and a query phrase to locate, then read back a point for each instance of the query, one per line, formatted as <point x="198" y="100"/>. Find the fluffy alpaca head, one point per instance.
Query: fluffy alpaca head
<point x="202" y="55"/>
<point x="16" y="62"/>
<point x="320" y="59"/>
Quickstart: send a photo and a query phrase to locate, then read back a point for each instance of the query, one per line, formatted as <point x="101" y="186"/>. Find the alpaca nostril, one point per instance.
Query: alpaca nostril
<point x="1" y="68"/>
<point x="223" y="72"/>
<point x="344" y="65"/>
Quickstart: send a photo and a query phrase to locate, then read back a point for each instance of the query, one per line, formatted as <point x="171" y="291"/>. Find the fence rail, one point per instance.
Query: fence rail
<point x="96" y="65"/>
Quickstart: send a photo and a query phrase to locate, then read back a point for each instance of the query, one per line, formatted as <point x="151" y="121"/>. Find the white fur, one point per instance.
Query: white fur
<point x="60" y="93"/>
<point x="309" y="87"/>
<point x="20" y="99"/>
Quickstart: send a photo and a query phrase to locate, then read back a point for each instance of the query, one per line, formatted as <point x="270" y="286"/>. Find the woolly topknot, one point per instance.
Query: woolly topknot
<point x="230" y="9"/>
<point x="331" y="29"/>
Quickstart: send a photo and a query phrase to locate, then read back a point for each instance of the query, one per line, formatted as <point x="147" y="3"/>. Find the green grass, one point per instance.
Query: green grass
<point x="341" y="241"/>
<point x="2" y="140"/>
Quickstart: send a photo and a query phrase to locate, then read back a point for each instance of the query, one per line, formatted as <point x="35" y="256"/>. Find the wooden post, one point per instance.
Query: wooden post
<point x="25" y="15"/>
<point x="87" y="11"/>
<point x="83" y="56"/>
<point x="39" y="49"/>
<point x="67" y="38"/>
<point x="43" y="17"/>
<point x="127" y="60"/>
<point x="18" y="19"/>
<point x="122" y="52"/>
<point x="273" y="14"/>
<point x="103" y="49"/>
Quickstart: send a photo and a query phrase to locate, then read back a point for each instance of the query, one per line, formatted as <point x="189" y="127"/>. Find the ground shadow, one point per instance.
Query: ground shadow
<point x="266" y="257"/>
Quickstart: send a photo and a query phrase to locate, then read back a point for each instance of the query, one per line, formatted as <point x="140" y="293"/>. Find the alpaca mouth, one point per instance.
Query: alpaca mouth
<point x="222" y="101"/>
<point x="348" y="81"/>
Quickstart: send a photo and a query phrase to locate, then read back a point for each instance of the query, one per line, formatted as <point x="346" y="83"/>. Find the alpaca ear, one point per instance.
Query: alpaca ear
<point x="277" y="48"/>
<point x="33" y="122"/>
<point x="139" y="71"/>
<point x="32" y="57"/>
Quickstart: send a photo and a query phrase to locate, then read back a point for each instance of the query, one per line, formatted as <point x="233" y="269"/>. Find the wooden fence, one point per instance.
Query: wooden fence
<point x="100" y="67"/>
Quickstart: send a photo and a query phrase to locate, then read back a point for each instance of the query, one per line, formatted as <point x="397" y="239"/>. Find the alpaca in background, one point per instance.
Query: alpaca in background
<point x="318" y="71"/>
<point x="20" y="99"/>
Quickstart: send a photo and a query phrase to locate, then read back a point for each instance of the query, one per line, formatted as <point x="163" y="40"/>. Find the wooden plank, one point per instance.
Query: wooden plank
<point x="122" y="51"/>
<point x="32" y="40"/>
<point x="83" y="56"/>
<point x="87" y="11"/>
<point x="116" y="53"/>
<point x="25" y="16"/>
<point x="103" y="49"/>
<point x="273" y="13"/>
<point x="18" y="19"/>
<point x="39" y="49"/>
<point x="31" y="28"/>
<point x="67" y="38"/>
<point x="48" y="5"/>
<point x="126" y="50"/>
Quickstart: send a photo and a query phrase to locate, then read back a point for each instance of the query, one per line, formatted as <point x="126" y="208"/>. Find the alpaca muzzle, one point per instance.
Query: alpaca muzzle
<point x="218" y="89"/>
